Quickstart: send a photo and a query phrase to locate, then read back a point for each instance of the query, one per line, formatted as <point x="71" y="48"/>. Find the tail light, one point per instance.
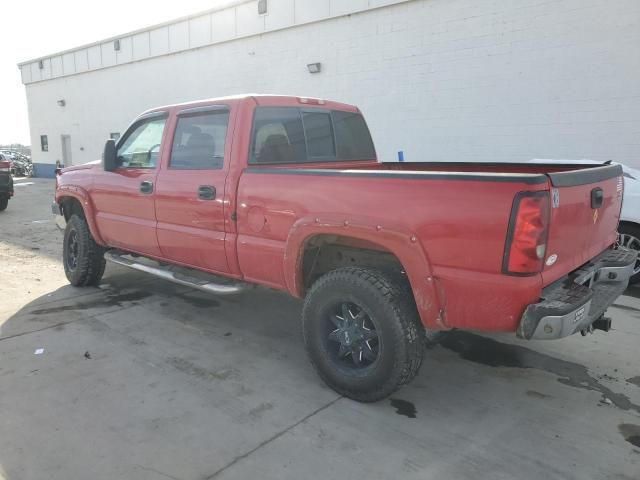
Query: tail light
<point x="526" y="244"/>
<point x="5" y="166"/>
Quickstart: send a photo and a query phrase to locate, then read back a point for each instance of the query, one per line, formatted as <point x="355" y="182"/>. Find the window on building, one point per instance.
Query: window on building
<point x="262" y="7"/>
<point x="199" y="141"/>
<point x="141" y="146"/>
<point x="115" y="136"/>
<point x="292" y="135"/>
<point x="44" y="143"/>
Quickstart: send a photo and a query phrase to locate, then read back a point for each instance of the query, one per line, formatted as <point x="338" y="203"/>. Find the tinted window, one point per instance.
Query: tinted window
<point x="319" y="133"/>
<point x="44" y="143"/>
<point x="141" y="147"/>
<point x="278" y="136"/>
<point x="199" y="141"/>
<point x="352" y="137"/>
<point x="289" y="135"/>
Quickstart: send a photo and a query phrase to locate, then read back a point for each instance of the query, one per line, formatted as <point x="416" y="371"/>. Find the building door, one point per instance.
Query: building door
<point x="66" y="150"/>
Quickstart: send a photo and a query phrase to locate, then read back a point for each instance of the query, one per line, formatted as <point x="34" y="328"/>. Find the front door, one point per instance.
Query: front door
<point x="190" y="190"/>
<point x="124" y="199"/>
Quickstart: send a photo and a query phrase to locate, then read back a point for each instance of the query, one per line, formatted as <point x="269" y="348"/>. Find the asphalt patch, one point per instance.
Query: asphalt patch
<point x="492" y="353"/>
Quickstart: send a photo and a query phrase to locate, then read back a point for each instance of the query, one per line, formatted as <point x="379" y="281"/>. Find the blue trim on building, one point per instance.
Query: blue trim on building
<point x="44" y="170"/>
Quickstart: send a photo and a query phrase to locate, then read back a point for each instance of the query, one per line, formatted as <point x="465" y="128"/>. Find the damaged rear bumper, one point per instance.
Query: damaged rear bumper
<point x="574" y="303"/>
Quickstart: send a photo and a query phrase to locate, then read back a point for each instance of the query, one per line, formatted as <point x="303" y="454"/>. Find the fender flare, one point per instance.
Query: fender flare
<point x="398" y="240"/>
<point x="82" y="196"/>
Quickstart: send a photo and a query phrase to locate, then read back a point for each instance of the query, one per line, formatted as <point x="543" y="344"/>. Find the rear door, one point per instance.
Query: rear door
<point x="585" y="213"/>
<point x="190" y="190"/>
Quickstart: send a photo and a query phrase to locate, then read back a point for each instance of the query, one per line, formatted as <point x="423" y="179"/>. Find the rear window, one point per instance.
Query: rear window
<point x="352" y="136"/>
<point x="319" y="133"/>
<point x="294" y="135"/>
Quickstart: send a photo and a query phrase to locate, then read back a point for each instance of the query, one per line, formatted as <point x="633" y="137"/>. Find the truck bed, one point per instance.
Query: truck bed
<point x="458" y="213"/>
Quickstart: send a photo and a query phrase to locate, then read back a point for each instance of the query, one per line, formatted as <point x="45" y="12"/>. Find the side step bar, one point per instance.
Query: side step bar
<point x="169" y="273"/>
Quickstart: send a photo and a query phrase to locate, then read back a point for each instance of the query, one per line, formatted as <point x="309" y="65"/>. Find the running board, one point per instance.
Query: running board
<point x="169" y="273"/>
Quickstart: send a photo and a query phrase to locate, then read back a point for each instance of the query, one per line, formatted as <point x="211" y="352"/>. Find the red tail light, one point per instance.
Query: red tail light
<point x="5" y="166"/>
<point x="526" y="245"/>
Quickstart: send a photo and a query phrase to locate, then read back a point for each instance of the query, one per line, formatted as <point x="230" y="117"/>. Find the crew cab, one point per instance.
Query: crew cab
<point x="6" y="182"/>
<point x="288" y="193"/>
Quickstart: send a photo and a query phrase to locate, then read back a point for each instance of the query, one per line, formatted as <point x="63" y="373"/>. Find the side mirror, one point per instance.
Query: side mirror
<point x="109" y="160"/>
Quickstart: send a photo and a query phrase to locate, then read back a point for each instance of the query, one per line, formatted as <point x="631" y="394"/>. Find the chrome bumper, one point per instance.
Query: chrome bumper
<point x="58" y="217"/>
<point x="573" y="303"/>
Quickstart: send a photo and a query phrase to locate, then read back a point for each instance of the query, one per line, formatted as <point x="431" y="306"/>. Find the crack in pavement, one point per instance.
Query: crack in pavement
<point x="239" y="458"/>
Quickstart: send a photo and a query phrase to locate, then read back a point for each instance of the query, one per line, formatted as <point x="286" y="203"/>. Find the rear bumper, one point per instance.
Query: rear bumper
<point x="58" y="217"/>
<point x="573" y="303"/>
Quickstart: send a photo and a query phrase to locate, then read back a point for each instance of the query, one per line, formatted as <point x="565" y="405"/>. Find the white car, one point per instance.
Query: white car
<point x="629" y="228"/>
<point x="630" y="219"/>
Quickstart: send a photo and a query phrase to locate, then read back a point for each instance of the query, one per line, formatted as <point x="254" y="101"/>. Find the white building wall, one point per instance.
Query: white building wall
<point x="440" y="80"/>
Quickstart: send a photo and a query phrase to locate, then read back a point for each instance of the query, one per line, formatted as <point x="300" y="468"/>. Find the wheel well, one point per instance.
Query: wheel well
<point x="324" y="253"/>
<point x="71" y="206"/>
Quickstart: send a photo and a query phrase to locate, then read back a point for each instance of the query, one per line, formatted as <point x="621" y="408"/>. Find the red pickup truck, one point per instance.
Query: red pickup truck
<point x="287" y="192"/>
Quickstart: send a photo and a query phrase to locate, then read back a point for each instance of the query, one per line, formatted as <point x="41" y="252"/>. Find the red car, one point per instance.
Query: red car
<point x="287" y="192"/>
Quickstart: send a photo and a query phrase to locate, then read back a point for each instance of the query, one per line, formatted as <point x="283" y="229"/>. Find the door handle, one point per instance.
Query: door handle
<point x="146" y="187"/>
<point x="206" y="192"/>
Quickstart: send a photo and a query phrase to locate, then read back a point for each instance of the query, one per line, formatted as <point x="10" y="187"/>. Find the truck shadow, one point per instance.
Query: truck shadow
<point x="242" y="359"/>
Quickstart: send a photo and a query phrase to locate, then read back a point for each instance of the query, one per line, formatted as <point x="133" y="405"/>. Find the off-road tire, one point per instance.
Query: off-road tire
<point x="4" y="202"/>
<point x="391" y="308"/>
<point x="90" y="263"/>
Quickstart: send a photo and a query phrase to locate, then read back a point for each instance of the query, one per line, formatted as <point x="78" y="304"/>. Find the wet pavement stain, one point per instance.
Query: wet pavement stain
<point x="631" y="433"/>
<point x="404" y="408"/>
<point x="194" y="370"/>
<point x="534" y="394"/>
<point x="201" y="302"/>
<point x="492" y="353"/>
<point x="110" y="300"/>
<point x="634" y="380"/>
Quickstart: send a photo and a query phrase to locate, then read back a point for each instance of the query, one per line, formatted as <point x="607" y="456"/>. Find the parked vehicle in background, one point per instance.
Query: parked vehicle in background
<point x="287" y="192"/>
<point x="21" y="165"/>
<point x="630" y="219"/>
<point x="6" y="182"/>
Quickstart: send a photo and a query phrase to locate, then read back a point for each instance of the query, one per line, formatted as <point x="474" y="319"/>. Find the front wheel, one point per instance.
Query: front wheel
<point x="362" y="333"/>
<point x="629" y="237"/>
<point x="83" y="258"/>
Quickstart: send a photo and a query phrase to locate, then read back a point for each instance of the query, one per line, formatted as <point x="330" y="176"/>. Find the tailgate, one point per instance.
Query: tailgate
<point x="585" y="213"/>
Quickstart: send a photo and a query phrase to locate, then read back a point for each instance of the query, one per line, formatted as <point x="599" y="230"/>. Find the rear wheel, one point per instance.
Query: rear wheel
<point x="362" y="333"/>
<point x="4" y="202"/>
<point x="630" y="238"/>
<point x="83" y="258"/>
